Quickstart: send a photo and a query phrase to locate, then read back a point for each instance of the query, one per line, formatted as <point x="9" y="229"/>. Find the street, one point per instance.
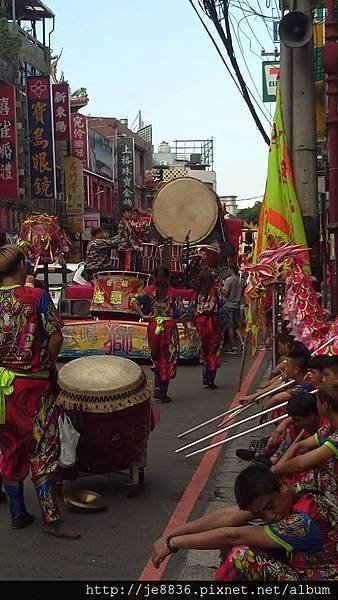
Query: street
<point x="117" y="544"/>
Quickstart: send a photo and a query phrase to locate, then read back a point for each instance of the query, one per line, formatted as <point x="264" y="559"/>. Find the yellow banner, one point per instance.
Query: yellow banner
<point x="281" y="219"/>
<point x="74" y="186"/>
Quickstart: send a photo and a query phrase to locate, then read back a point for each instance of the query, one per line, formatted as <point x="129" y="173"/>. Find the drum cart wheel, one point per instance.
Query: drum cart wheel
<point x="136" y="481"/>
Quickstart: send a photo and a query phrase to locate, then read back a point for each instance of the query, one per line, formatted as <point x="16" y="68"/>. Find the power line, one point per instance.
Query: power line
<point x="216" y="46"/>
<point x="247" y="66"/>
<point x="225" y="64"/>
<point x="264" y="21"/>
<point x="213" y="11"/>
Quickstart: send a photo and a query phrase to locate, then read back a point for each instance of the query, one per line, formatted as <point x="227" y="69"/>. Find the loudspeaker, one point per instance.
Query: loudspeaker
<point x="74" y="309"/>
<point x="295" y="29"/>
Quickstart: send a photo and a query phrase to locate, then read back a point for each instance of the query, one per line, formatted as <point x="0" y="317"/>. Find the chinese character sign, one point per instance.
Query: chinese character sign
<point x="61" y="104"/>
<point x="41" y="137"/>
<point x="9" y="183"/>
<point x="79" y="137"/>
<point x="74" y="186"/>
<point x="125" y="171"/>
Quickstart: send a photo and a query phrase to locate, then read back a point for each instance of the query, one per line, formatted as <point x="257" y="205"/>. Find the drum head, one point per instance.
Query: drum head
<point x="182" y="205"/>
<point x="101" y="376"/>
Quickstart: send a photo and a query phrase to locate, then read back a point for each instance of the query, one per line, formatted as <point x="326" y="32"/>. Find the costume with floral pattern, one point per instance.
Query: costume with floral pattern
<point x="162" y="333"/>
<point x="308" y="538"/>
<point x="29" y="433"/>
<point x="209" y="315"/>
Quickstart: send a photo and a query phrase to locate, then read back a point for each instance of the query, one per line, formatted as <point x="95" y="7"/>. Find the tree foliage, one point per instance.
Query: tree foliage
<point x="251" y="214"/>
<point x="10" y="41"/>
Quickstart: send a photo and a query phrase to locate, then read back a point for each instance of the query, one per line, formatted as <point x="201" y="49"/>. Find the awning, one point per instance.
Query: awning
<point x="29" y="10"/>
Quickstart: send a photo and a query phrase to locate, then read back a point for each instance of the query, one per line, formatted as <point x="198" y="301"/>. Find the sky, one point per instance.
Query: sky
<point x="154" y="56"/>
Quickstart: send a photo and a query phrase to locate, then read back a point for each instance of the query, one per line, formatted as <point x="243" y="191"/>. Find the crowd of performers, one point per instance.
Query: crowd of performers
<point x="132" y="232"/>
<point x="285" y="524"/>
<point x="291" y="489"/>
<point x="213" y="309"/>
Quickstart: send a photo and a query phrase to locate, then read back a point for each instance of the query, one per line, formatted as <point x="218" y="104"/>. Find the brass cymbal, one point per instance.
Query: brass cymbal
<point x="84" y="500"/>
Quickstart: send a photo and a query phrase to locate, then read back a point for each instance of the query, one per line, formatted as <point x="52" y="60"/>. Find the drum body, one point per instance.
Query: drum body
<point x="113" y="291"/>
<point x="150" y="257"/>
<point x="112" y="442"/>
<point x="108" y="401"/>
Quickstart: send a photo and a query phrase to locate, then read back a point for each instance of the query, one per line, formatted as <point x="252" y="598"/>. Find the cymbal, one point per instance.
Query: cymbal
<point x="85" y="500"/>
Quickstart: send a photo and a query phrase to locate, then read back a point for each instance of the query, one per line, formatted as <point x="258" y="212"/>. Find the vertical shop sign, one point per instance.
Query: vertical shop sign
<point x="79" y="137"/>
<point x="125" y="171"/>
<point x="9" y="173"/>
<point x="41" y="137"/>
<point x="74" y="186"/>
<point x="61" y="104"/>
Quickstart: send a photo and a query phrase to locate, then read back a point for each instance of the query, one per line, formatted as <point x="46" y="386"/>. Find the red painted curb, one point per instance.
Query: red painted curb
<point x="198" y="481"/>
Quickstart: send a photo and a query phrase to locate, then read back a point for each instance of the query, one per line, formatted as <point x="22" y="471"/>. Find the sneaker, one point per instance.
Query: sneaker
<point x="251" y="455"/>
<point x="22" y="522"/>
<point x="231" y="351"/>
<point x="245" y="454"/>
<point x="212" y="386"/>
<point x="164" y="400"/>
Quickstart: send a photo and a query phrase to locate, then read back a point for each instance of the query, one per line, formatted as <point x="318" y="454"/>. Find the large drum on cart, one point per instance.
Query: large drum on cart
<point x="108" y="401"/>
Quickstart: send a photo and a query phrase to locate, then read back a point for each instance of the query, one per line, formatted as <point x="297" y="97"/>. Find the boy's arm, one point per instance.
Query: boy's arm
<point x="307" y="461"/>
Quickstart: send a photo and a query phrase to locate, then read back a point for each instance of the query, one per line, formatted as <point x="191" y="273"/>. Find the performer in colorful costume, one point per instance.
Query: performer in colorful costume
<point x="319" y="452"/>
<point x="30" y="341"/>
<point x="163" y="309"/>
<point x="297" y="543"/>
<point x="208" y="312"/>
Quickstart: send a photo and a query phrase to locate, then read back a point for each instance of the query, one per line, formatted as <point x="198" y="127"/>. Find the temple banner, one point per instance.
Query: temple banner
<point x="126" y="171"/>
<point x="9" y="179"/>
<point x="74" y="186"/>
<point x="61" y="103"/>
<point x="79" y="137"/>
<point x="41" y="137"/>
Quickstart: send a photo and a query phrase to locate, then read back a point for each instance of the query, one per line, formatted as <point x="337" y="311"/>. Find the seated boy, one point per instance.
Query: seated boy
<point x="320" y="451"/>
<point x="330" y="370"/>
<point x="296" y="541"/>
<point x="296" y="369"/>
<point x="303" y="414"/>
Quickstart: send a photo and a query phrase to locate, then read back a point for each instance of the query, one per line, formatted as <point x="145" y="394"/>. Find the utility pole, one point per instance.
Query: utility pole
<point x="298" y="104"/>
<point x="330" y="62"/>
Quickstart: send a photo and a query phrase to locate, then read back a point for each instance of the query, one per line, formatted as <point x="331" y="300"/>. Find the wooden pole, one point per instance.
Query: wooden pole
<point x="244" y="353"/>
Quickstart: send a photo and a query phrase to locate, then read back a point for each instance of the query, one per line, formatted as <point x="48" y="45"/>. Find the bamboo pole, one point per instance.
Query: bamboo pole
<point x="234" y="437"/>
<point x="212" y="435"/>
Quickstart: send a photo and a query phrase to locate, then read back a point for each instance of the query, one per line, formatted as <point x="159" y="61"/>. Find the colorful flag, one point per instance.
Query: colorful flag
<point x="281" y="218"/>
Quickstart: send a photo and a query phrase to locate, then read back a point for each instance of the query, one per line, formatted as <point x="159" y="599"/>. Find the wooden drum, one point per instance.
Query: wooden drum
<point x="108" y="401"/>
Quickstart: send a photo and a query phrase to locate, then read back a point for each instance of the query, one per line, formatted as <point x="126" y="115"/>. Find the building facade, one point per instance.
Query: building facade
<point x="25" y="36"/>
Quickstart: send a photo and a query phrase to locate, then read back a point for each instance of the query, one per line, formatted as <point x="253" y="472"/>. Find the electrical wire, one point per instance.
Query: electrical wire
<point x="265" y="23"/>
<point x="247" y="67"/>
<point x="226" y="65"/>
<point x="219" y="11"/>
<point x="217" y="47"/>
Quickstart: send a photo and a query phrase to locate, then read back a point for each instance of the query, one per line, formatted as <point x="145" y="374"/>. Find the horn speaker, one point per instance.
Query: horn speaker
<point x="295" y="29"/>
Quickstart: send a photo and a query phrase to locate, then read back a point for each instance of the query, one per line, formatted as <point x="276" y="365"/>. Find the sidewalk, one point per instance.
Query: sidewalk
<point x="201" y="565"/>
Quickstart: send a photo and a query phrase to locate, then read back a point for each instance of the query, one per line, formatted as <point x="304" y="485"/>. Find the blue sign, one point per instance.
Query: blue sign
<point x="41" y="137"/>
<point x="276" y="37"/>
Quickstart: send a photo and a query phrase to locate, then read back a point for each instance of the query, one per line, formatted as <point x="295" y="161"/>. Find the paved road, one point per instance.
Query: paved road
<point x="117" y="544"/>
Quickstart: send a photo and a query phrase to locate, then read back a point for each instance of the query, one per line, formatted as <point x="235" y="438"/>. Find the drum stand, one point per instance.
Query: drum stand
<point x="187" y="259"/>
